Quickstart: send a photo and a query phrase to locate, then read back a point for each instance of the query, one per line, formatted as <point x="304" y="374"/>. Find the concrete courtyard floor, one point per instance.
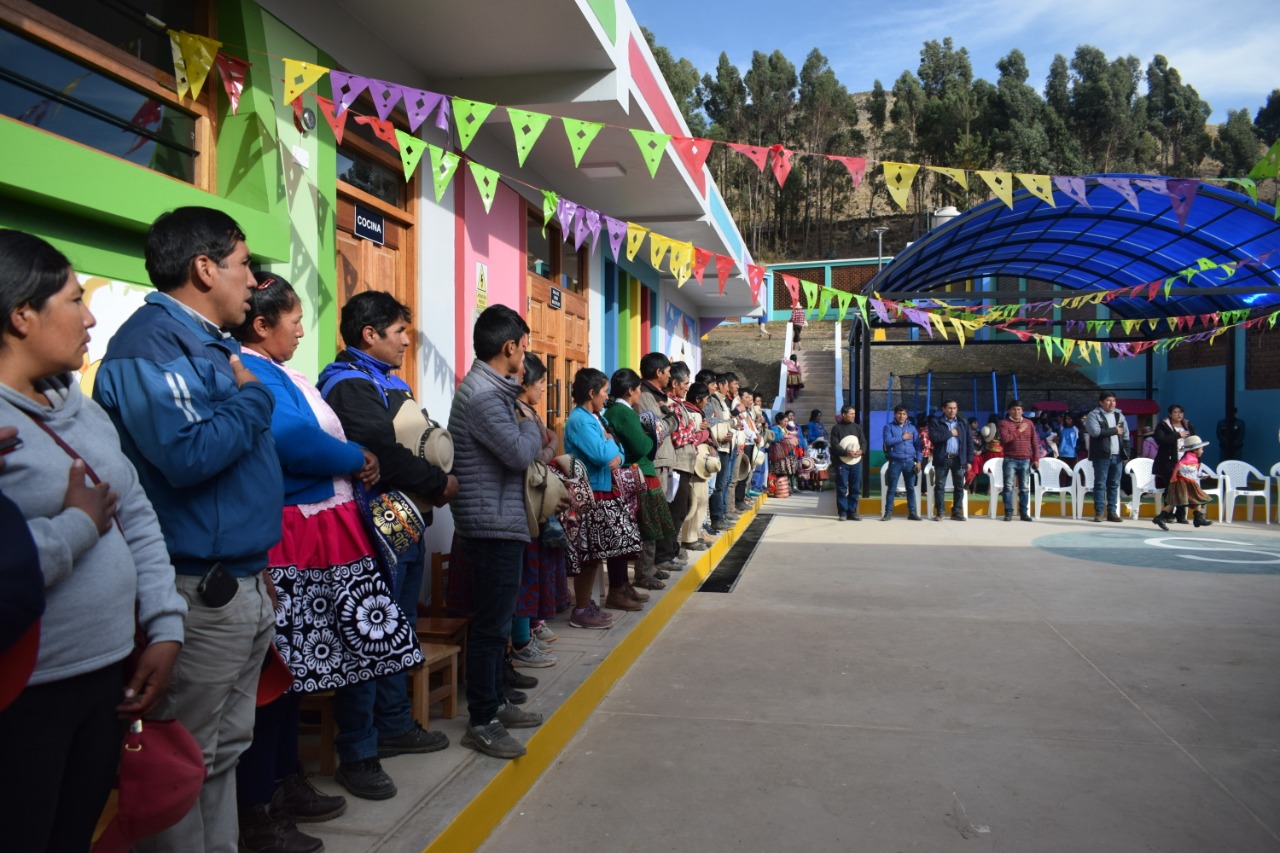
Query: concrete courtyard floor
<point x="1057" y="686"/>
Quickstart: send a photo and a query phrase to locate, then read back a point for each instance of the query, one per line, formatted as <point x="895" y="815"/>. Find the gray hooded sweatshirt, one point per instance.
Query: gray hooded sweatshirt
<point x="91" y="582"/>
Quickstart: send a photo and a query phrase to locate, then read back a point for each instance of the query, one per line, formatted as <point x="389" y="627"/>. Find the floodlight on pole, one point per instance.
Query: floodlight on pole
<point x="879" y="232"/>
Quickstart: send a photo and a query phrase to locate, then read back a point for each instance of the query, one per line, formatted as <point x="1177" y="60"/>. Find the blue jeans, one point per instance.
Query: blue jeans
<point x="720" y="496"/>
<point x="381" y="706"/>
<point x="848" y="487"/>
<point x="1106" y="483"/>
<point x="905" y="468"/>
<point x="760" y="477"/>
<point x="494" y="566"/>
<point x="1020" y="470"/>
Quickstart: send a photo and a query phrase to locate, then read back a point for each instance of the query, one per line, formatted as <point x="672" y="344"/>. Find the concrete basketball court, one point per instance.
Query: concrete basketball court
<point x="1056" y="686"/>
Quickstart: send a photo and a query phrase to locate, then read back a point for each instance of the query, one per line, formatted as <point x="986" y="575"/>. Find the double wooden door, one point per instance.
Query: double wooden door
<point x="559" y="336"/>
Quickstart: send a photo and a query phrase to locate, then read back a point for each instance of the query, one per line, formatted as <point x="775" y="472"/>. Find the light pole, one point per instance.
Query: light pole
<point x="879" y="232"/>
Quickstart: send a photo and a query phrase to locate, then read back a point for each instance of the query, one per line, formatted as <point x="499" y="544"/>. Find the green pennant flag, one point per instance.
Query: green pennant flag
<point x="581" y="134"/>
<point x="443" y="165"/>
<point x="1249" y="186"/>
<point x="842" y="303"/>
<point x="810" y="294"/>
<point x="862" y="309"/>
<point x="468" y="116"/>
<point x="486" y="182"/>
<point x="1106" y="326"/>
<point x="651" y="147"/>
<point x="527" y="127"/>
<point x="411" y="148"/>
<point x="1268" y="166"/>
<point x="550" y="201"/>
<point x="1168" y="285"/>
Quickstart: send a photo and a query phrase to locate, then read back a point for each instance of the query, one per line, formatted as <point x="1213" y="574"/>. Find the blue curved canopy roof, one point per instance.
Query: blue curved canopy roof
<point x="1106" y="245"/>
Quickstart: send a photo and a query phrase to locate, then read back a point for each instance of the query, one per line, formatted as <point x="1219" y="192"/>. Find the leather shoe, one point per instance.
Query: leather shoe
<point x="261" y="832"/>
<point x="298" y="800"/>
<point x="365" y="779"/>
<point x="1112" y="516"/>
<point x="511" y="677"/>
<point x="1025" y="517"/>
<point x="416" y="740"/>
<point x="913" y="517"/>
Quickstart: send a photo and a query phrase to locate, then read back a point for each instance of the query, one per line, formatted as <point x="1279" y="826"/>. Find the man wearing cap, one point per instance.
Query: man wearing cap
<point x="375" y="718"/>
<point x="849" y="444"/>
<point x="952" y="455"/>
<point x="1021" y="453"/>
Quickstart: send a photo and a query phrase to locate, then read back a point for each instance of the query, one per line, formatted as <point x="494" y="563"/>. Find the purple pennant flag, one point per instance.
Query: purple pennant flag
<point x="1072" y="187"/>
<point x="1182" y="191"/>
<point x="617" y="233"/>
<point x="919" y="317"/>
<point x="385" y="95"/>
<point x="442" y="117"/>
<point x="706" y="324"/>
<point x="593" y="223"/>
<point x="1154" y="185"/>
<point x="880" y="312"/>
<point x="580" y="229"/>
<point x="418" y="104"/>
<point x="565" y="212"/>
<point x="1121" y="185"/>
<point x="346" y="88"/>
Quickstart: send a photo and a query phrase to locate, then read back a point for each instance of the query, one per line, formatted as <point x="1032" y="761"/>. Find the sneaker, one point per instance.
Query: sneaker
<point x="365" y="779"/>
<point x="492" y="739"/>
<point x="511" y="678"/>
<point x="742" y="507"/>
<point x="299" y="801"/>
<point x="261" y="832"/>
<point x="516" y="718"/>
<point x="617" y="599"/>
<point x="544" y="633"/>
<point x="540" y="646"/>
<point x="531" y="658"/>
<point x="515" y="697"/>
<point x="840" y="517"/>
<point x="855" y="517"/>
<point x="416" y="740"/>
<point x="670" y="566"/>
<point x="586" y="617"/>
<point x="722" y="525"/>
<point x="695" y="546"/>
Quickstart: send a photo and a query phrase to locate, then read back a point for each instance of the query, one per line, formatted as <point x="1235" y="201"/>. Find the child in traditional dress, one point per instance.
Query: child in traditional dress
<point x="1184" y="486"/>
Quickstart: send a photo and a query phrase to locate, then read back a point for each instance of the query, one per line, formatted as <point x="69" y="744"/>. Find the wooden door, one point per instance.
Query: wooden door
<point x="365" y="265"/>
<point x="559" y="337"/>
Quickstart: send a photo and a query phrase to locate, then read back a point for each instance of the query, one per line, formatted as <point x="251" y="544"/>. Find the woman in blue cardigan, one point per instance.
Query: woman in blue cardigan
<point x="337" y="623"/>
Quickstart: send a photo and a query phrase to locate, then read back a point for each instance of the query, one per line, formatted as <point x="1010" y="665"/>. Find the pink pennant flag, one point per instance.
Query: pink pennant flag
<point x="346" y="88"/>
<point x="1182" y="192"/>
<point x="148" y="114"/>
<point x="781" y="163"/>
<point x="384" y="130"/>
<point x="385" y="97"/>
<point x="857" y="167"/>
<point x="755" y="278"/>
<point x="232" y="71"/>
<point x="793" y="287"/>
<point x="1121" y="185"/>
<point x="617" y="233"/>
<point x="757" y="154"/>
<point x="693" y="152"/>
<point x="724" y="266"/>
<point x="418" y="104"/>
<point x="701" y="257"/>
<point x="337" y="122"/>
<point x="1072" y="186"/>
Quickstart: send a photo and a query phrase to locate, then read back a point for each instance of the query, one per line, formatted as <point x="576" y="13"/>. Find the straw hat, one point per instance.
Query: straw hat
<point x="543" y="493"/>
<point x="850" y="449"/>
<point x="721" y="432"/>
<point x="416" y="431"/>
<point x="1193" y="442"/>
<point x="707" y="463"/>
<point x="989" y="432"/>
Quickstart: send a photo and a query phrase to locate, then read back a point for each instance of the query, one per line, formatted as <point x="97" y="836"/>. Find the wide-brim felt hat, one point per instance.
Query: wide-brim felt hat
<point x="807" y="463"/>
<point x="543" y="493"/>
<point x="429" y="440"/>
<point x="989" y="432"/>
<point x="721" y="432"/>
<point x="849" y="448"/>
<point x="707" y="463"/>
<point x="1193" y="442"/>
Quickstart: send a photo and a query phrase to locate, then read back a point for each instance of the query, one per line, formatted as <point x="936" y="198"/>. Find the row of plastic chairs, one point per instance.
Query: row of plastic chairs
<point x="1232" y="481"/>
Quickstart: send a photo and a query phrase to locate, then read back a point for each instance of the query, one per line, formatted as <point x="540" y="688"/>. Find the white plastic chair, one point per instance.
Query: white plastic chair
<point x="1275" y="477"/>
<point x="1236" y="475"/>
<point x="929" y="479"/>
<point x="994" y="469"/>
<point x="1219" y="491"/>
<point x="887" y="500"/>
<point x="1082" y="486"/>
<point x="1143" y="483"/>
<point x="1050" y="472"/>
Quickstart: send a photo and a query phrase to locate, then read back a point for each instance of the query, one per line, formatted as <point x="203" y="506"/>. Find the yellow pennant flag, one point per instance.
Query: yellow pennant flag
<point x="957" y="175"/>
<point x="1130" y="325"/>
<point x="658" y="246"/>
<point x="1096" y="348"/>
<point x="1001" y="184"/>
<point x="958" y="327"/>
<point x="898" y="178"/>
<point x="198" y="54"/>
<point x="1040" y="186"/>
<point x="938" y="324"/>
<point x="299" y="77"/>
<point x="681" y="255"/>
<point x="635" y="236"/>
<point x="1173" y="323"/>
<point x="179" y="65"/>
<point x="1152" y="323"/>
<point x="1068" y="347"/>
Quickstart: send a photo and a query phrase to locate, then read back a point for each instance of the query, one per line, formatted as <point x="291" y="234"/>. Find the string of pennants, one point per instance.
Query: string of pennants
<point x="194" y="55"/>
<point x="934" y="318"/>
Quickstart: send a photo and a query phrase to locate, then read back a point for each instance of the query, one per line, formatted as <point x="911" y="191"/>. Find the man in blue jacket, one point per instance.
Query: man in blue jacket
<point x="902" y="453"/>
<point x="196" y="423"/>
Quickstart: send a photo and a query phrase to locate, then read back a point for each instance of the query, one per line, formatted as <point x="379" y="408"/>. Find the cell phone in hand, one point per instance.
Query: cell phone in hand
<point x="10" y="444"/>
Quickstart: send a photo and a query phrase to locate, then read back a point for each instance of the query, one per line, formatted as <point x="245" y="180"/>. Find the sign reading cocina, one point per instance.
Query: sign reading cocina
<point x="370" y="225"/>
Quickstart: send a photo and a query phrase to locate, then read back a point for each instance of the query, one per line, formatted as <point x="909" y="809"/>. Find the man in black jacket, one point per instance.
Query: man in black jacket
<point x="375" y="718"/>
<point x="952" y="454"/>
<point x="847" y="462"/>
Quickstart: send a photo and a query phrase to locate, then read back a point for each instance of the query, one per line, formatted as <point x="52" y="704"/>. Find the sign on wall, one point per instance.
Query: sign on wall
<point x="370" y="225"/>
<point x="482" y="287"/>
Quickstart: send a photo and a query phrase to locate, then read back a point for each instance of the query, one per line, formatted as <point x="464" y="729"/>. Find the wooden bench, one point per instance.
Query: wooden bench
<point x="435" y="625"/>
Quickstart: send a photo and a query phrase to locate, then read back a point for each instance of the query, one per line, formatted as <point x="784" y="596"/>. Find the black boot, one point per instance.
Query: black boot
<point x="299" y="801"/>
<point x="1162" y="520"/>
<point x="1180" y="515"/>
<point x="1199" y="520"/>
<point x="262" y="833"/>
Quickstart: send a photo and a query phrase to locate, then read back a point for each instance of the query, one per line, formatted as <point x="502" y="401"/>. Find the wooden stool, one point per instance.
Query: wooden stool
<point x="435" y="625"/>
<point x="441" y="660"/>
<point x="322" y="704"/>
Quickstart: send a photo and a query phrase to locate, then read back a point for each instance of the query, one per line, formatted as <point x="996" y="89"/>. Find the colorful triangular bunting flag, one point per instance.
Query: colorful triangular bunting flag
<point x="581" y="134"/>
<point x="469" y="115"/>
<point x="527" y="127"/>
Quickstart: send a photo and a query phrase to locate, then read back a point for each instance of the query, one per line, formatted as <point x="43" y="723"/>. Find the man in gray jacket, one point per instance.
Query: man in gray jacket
<point x="655" y="370"/>
<point x="491" y="453"/>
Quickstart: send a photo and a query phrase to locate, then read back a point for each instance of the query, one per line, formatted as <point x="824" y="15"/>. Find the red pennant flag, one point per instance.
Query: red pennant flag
<point x="755" y="277"/>
<point x="384" y="130"/>
<point x="757" y="155"/>
<point x="857" y="167"/>
<point x="232" y="70"/>
<point x="793" y="287"/>
<point x="781" y="163"/>
<point x="148" y="114"/>
<point x="693" y="152"/>
<point x="337" y="123"/>
<point x="701" y="257"/>
<point x="296" y="103"/>
<point x="724" y="266"/>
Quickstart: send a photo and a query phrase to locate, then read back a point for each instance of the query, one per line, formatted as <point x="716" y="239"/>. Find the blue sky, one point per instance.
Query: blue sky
<point x="1226" y="50"/>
